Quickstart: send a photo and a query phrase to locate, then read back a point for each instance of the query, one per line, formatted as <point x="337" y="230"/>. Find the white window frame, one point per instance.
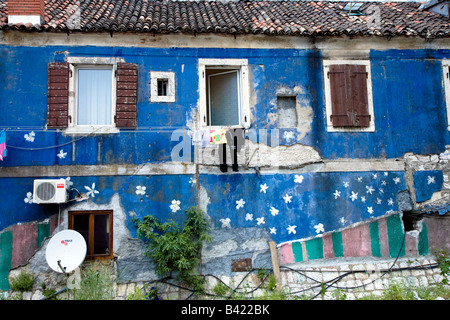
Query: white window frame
<point x="243" y="90"/>
<point x="328" y="106"/>
<point x="446" y="84"/>
<point x="76" y="63"/>
<point x="154" y="77"/>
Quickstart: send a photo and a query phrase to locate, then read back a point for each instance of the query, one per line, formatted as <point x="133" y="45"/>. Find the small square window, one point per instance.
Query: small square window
<point x="287" y="111"/>
<point x="162" y="86"/>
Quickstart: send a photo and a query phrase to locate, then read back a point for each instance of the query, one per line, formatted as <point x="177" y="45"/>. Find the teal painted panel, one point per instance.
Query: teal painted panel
<point x="375" y="239"/>
<point x="314" y="248"/>
<point x="297" y="251"/>
<point x="5" y="258"/>
<point x="338" y="247"/>
<point x="396" y="236"/>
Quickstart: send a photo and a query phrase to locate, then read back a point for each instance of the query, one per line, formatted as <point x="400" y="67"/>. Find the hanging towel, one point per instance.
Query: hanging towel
<point x="218" y="136"/>
<point x="2" y="145"/>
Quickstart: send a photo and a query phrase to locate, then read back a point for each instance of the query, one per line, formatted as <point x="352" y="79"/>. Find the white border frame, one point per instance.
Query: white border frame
<point x="242" y="65"/>
<point x="154" y="76"/>
<point x="74" y="64"/>
<point x="328" y="107"/>
<point x="446" y="84"/>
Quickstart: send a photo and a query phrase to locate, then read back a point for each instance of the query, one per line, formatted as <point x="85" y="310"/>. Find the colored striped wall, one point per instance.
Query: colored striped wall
<point x="384" y="237"/>
<point x="19" y="243"/>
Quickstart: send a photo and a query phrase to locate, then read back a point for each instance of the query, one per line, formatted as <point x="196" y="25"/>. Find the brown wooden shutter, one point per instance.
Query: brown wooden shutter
<point x="341" y="114"/>
<point x="348" y="85"/>
<point x="126" y="95"/>
<point x="358" y="95"/>
<point x="58" y="95"/>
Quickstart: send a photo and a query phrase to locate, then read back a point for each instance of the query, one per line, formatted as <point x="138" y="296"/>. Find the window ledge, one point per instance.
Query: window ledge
<point x="92" y="130"/>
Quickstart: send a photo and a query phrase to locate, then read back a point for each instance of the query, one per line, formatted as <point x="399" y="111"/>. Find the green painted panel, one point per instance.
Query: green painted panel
<point x="5" y="258"/>
<point x="314" y="248"/>
<point x="338" y="246"/>
<point x="298" y="251"/>
<point x="423" y="240"/>
<point x="375" y="239"/>
<point x="43" y="232"/>
<point x="396" y="236"/>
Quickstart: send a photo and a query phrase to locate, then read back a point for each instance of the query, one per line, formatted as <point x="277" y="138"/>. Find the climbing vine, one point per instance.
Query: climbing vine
<point x="175" y="249"/>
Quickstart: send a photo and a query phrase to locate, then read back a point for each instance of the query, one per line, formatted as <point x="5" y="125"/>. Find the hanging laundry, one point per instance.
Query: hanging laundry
<point x="2" y="145"/>
<point x="218" y="136"/>
<point x="197" y="137"/>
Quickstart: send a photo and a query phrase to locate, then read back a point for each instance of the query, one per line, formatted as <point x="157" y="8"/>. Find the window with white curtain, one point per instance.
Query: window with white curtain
<point x="94" y="95"/>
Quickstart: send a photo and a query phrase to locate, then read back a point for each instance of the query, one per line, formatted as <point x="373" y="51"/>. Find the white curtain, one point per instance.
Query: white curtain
<point x="94" y="97"/>
<point x="224" y="98"/>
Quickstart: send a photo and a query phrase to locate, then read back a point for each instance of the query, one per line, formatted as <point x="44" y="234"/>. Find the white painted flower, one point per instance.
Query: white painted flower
<point x="298" y="178"/>
<point x="337" y="194"/>
<point x="346" y="184"/>
<point x="342" y="220"/>
<point x="175" y="206"/>
<point x="263" y="187"/>
<point x="29" y="136"/>
<point x="260" y="221"/>
<point x="273" y="211"/>
<point x="396" y="180"/>
<point x="140" y="190"/>
<point x="431" y="179"/>
<point x="363" y="199"/>
<point x="288" y="135"/>
<point x="62" y="154"/>
<point x="390" y="202"/>
<point x="240" y="203"/>
<point x="319" y="228"/>
<point x="225" y="223"/>
<point x="68" y="182"/>
<point x="369" y="189"/>
<point x="29" y="198"/>
<point x="370" y="210"/>
<point x="354" y="196"/>
<point x="273" y="230"/>
<point x="287" y="198"/>
<point x="291" y="229"/>
<point x="91" y="190"/>
<point x="192" y="181"/>
<point x="374" y="175"/>
<point x="249" y="217"/>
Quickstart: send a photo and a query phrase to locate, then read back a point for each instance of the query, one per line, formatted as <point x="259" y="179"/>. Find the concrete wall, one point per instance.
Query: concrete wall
<point x="300" y="185"/>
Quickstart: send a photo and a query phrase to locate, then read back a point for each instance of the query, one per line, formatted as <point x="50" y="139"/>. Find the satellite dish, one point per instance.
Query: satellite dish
<point x="65" y="251"/>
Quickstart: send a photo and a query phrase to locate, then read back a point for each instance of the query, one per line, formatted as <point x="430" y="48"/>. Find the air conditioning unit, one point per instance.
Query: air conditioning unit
<point x="49" y="191"/>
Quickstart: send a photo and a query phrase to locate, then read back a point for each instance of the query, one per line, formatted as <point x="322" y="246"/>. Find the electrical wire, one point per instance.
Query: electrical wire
<point x="244" y="293"/>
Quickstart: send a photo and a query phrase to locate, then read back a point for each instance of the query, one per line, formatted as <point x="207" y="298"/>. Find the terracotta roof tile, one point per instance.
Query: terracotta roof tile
<point x="296" y="18"/>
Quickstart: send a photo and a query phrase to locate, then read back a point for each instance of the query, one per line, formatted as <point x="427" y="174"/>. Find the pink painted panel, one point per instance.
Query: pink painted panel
<point x="328" y="251"/>
<point x="384" y="240"/>
<point x="356" y="241"/>
<point x="287" y="256"/>
<point x="24" y="243"/>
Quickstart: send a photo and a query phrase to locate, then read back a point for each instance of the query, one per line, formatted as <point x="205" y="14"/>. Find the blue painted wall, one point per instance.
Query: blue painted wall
<point x="410" y="116"/>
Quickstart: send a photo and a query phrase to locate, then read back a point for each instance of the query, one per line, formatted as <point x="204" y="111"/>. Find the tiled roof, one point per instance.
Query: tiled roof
<point x="297" y="18"/>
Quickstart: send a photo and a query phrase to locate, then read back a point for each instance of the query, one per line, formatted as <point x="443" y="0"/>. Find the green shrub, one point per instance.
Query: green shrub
<point x="174" y="249"/>
<point x="22" y="282"/>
